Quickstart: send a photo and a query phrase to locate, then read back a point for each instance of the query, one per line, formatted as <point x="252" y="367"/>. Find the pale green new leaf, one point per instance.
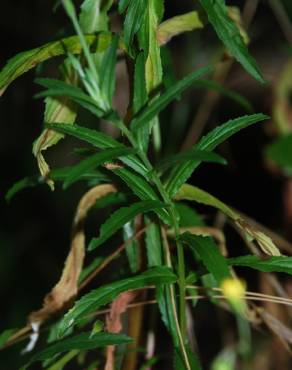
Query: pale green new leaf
<point x="27" y="60"/>
<point x="94" y="161"/>
<point x="230" y="35"/>
<point x="157" y="105"/>
<point x="180" y="173"/>
<point x="272" y="264"/>
<point x="119" y="218"/>
<point x="177" y="25"/>
<point x="208" y="251"/>
<point x="99" y="297"/>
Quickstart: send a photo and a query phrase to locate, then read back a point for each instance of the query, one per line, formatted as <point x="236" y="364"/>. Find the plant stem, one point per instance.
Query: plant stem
<point x="173" y="213"/>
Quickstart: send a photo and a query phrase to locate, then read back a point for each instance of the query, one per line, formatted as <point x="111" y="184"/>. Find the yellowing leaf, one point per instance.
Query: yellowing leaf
<point x="179" y="24"/>
<point x="57" y="111"/>
<point x="189" y="192"/>
<point x="66" y="289"/>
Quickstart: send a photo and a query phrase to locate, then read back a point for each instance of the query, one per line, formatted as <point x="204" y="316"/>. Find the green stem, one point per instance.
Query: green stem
<point x="180" y="252"/>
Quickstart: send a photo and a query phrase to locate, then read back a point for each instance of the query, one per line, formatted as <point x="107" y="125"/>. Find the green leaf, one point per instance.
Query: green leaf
<point x="149" y="112"/>
<point x="271" y="264"/>
<point x="83" y="341"/>
<point x="57" y="88"/>
<point x="188" y="217"/>
<point x="93" y="16"/>
<point x="123" y="4"/>
<point x="119" y="218"/>
<point x="59" y="174"/>
<point x="177" y="25"/>
<point x="215" y="263"/>
<point x="192" y="154"/>
<point x="99" y="140"/>
<point x="86" y="271"/>
<point x="163" y="296"/>
<point x="132" y="247"/>
<point x="107" y="293"/>
<point x="179" y="362"/>
<point x="133" y="21"/>
<point x="142" y="189"/>
<point x="140" y="92"/>
<point x="60" y="363"/>
<point x="108" y="75"/>
<point x="281" y="152"/>
<point x="5" y="335"/>
<point x="189" y="192"/>
<point x="153" y="243"/>
<point x="27" y="60"/>
<point x="94" y="161"/>
<point x="230" y="35"/>
<point x="181" y="173"/>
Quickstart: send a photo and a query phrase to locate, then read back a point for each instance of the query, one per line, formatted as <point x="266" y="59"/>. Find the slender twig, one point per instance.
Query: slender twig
<point x="173" y="303"/>
<point x="110" y="258"/>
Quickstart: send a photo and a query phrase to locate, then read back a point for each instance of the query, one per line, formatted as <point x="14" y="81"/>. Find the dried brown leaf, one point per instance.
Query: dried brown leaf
<point x="62" y="295"/>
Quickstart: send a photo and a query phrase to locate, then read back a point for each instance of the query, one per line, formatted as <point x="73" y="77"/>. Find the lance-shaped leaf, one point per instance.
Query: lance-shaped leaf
<point x="101" y="141"/>
<point x="177" y="25"/>
<point x="83" y="341"/>
<point x="59" y="174"/>
<point x="57" y="88"/>
<point x="192" y="154"/>
<point x="208" y="251"/>
<point x="272" y="264"/>
<point x="107" y="293"/>
<point x="133" y="20"/>
<point x="108" y="76"/>
<point x="189" y="192"/>
<point x="119" y="218"/>
<point x="157" y="105"/>
<point x="27" y="60"/>
<point x="66" y="289"/>
<point x="94" y="161"/>
<point x="230" y="35"/>
<point x="143" y="190"/>
<point x="93" y="16"/>
<point x="181" y="173"/>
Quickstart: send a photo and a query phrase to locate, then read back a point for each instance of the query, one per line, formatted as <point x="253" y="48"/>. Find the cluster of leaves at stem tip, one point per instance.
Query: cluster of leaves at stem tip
<point x="87" y="82"/>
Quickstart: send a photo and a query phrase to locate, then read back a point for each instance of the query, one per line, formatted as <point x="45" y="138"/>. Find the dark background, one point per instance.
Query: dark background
<point x="35" y="226"/>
